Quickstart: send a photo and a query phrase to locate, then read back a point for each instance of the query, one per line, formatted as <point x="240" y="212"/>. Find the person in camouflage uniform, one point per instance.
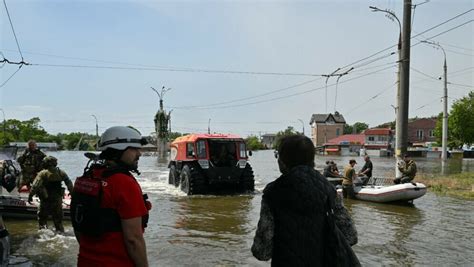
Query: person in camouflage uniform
<point x="47" y="186"/>
<point x="408" y="171"/>
<point x="30" y="163"/>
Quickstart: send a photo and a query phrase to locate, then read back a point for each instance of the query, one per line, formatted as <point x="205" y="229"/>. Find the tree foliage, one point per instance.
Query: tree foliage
<point x="356" y="128"/>
<point x="461" y="119"/>
<point x="14" y="130"/>
<point x="253" y="143"/>
<point x="460" y="123"/>
<point x="288" y="131"/>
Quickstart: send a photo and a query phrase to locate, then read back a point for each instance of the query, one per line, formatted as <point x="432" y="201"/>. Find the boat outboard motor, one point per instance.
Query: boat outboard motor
<point x="9" y="175"/>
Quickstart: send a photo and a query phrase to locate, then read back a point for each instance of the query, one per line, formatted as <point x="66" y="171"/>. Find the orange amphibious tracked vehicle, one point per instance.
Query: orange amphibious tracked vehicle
<point x="208" y="163"/>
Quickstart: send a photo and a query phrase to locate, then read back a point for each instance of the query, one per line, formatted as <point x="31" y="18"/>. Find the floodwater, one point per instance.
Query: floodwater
<point x="219" y="230"/>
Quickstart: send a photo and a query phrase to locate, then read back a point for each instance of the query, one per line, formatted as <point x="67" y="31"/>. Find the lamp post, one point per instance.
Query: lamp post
<point x="444" y="152"/>
<point x="399" y="126"/>
<point x="302" y="124"/>
<point x="96" y="130"/>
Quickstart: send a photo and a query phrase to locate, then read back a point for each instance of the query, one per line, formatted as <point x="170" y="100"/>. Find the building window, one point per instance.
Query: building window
<point x="419" y="134"/>
<point x="382" y="138"/>
<point x="371" y="138"/>
<point x="338" y="132"/>
<point x="432" y="133"/>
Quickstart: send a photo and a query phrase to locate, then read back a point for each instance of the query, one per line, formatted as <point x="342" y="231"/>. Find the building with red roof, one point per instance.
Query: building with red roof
<point x="345" y="144"/>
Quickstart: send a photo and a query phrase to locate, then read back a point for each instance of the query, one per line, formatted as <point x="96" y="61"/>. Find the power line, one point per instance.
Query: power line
<point x="462" y="85"/>
<point x="179" y="70"/>
<point x="13" y="29"/>
<point x="250" y="97"/>
<point x="469" y="68"/>
<point x="373" y="97"/>
<point x="427" y="104"/>
<point x="458" y="47"/>
<point x="424" y="74"/>
<point x="5" y="82"/>
<point x="291" y="95"/>
<point x="446" y="31"/>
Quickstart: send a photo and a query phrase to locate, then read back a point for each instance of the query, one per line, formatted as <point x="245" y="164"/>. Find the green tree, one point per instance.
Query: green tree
<point x="360" y="127"/>
<point x="288" y="131"/>
<point x="22" y="131"/>
<point x="461" y="119"/>
<point x="357" y="128"/>
<point x="253" y="143"/>
<point x="348" y="129"/>
<point x="460" y="122"/>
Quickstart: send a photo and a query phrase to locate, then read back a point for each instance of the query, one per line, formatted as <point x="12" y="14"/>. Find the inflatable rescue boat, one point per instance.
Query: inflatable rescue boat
<point x="392" y="193"/>
<point x="14" y="203"/>
<point x="17" y="206"/>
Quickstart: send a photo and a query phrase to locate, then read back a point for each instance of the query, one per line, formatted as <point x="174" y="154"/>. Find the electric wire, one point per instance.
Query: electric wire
<point x="462" y="70"/>
<point x="250" y="97"/>
<point x="446" y="31"/>
<point x="458" y="47"/>
<point x="459" y="53"/>
<point x="373" y="97"/>
<point x="13" y="29"/>
<point x="290" y="95"/>
<point x="424" y="74"/>
<point x="5" y="82"/>
<point x="427" y="104"/>
<point x="461" y="85"/>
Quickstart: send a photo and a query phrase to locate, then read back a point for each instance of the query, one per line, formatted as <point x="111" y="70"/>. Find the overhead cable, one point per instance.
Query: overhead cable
<point x="290" y="95"/>
<point x="13" y="29"/>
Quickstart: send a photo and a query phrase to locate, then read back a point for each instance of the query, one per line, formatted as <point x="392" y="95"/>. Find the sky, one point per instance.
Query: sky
<point x="244" y="67"/>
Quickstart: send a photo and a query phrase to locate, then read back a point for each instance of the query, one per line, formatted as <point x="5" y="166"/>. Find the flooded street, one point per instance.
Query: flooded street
<point x="219" y="230"/>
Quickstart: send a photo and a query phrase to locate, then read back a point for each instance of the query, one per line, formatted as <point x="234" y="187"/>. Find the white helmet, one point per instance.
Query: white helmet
<point x="120" y="138"/>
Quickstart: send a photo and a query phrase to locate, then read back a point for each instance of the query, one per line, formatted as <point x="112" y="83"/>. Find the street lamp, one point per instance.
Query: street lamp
<point x="444" y="153"/>
<point x="302" y="123"/>
<point x="398" y="126"/>
<point x="96" y="130"/>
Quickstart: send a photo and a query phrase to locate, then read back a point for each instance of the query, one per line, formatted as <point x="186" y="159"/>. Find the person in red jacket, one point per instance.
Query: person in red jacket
<point x="108" y="210"/>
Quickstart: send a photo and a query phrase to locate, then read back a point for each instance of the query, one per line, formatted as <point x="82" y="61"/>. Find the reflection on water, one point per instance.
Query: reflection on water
<point x="219" y="230"/>
<point x="393" y="225"/>
<point x="218" y="217"/>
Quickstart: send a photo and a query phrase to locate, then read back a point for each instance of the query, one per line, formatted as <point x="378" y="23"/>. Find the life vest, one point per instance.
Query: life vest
<point x="87" y="215"/>
<point x="52" y="180"/>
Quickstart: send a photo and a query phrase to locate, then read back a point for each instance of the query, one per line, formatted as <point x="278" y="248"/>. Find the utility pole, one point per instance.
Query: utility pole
<point x="403" y="100"/>
<point x="96" y="131"/>
<point x="391" y="15"/>
<point x="444" y="152"/>
<point x="209" y="126"/>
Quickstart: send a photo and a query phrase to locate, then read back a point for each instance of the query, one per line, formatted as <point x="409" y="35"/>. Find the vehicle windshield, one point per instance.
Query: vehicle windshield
<point x="222" y="153"/>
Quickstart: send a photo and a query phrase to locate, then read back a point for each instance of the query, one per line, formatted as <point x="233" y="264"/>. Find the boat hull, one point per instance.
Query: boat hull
<point x="393" y="193"/>
<point x="18" y="207"/>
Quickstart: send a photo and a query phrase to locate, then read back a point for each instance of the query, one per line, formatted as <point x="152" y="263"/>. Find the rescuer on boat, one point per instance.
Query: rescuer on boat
<point x="408" y="171"/>
<point x="30" y="162"/>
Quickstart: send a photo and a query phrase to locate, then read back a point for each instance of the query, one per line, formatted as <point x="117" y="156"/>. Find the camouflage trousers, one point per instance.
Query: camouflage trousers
<point x="53" y="207"/>
<point x="26" y="179"/>
<point x="403" y="180"/>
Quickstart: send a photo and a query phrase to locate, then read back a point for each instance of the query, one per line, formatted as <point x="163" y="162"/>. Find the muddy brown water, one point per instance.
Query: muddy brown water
<point x="219" y="230"/>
